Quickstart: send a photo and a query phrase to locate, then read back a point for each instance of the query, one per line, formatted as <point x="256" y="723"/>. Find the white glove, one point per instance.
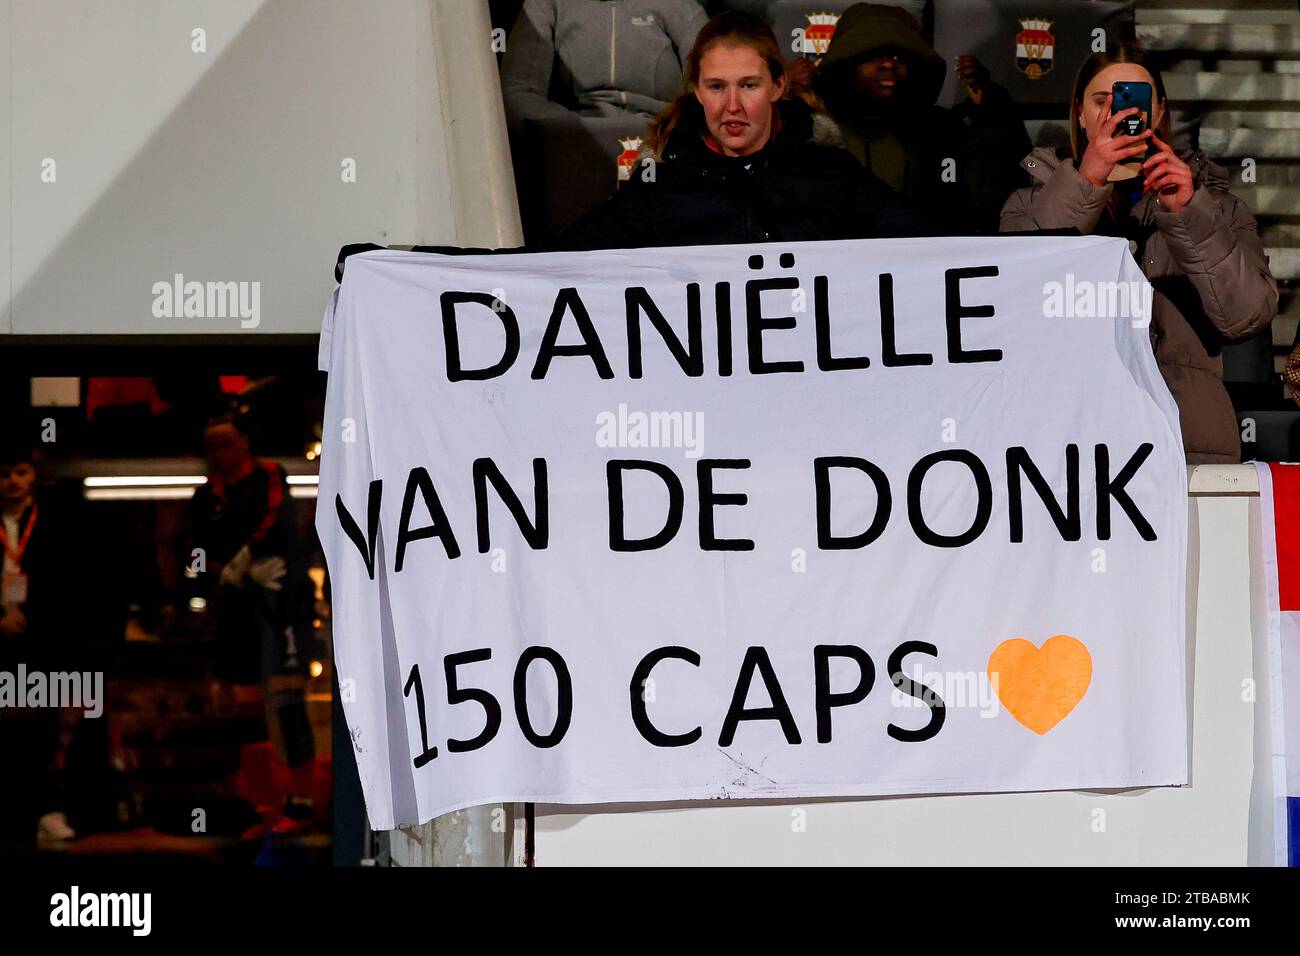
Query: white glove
<point x="267" y="572"/>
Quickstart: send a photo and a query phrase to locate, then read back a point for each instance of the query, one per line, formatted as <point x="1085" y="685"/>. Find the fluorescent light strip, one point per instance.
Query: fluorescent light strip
<point x="163" y="494"/>
<point x="137" y="494"/>
<point x="163" y="487"/>
<point x="143" y="481"/>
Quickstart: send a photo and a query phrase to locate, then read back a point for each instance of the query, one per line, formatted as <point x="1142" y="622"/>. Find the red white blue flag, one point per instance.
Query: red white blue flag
<point x="1279" y="496"/>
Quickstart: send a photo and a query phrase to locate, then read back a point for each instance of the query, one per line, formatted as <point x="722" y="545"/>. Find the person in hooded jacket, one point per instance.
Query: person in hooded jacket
<point x="1195" y="241"/>
<point x="880" y="78"/>
<point x="740" y="157"/>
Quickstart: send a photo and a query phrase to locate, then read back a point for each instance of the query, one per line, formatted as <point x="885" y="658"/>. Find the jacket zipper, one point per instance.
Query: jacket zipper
<point x="613" y="38"/>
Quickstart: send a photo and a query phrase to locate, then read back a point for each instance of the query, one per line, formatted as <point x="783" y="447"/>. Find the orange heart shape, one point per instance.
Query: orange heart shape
<point x="1040" y="686"/>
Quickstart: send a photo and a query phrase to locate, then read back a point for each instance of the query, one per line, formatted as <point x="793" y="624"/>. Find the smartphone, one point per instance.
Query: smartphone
<point x="1126" y="95"/>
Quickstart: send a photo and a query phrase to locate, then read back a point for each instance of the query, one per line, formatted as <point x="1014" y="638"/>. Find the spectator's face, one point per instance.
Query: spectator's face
<point x="16" y="481"/>
<point x="226" y="449"/>
<point x="882" y="75"/>
<point x="1095" y="108"/>
<point x="737" y="92"/>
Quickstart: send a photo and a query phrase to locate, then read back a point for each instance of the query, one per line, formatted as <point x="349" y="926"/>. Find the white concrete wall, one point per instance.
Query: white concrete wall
<point x="225" y="165"/>
<point x="1214" y="821"/>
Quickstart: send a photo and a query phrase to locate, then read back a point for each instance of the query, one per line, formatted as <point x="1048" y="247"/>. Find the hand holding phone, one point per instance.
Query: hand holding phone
<point x="1127" y="95"/>
<point x="1111" y="148"/>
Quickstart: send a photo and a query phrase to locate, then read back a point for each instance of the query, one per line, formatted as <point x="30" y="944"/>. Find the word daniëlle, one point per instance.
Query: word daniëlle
<point x="689" y="355"/>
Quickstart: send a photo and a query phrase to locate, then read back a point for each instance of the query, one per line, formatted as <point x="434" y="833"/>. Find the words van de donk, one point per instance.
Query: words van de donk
<point x="1108" y="470"/>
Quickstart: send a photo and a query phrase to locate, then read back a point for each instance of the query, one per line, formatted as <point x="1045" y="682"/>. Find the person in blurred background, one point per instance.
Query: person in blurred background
<point x="596" y="57"/>
<point x="1196" y="242"/>
<point x="879" y="80"/>
<point x="737" y="158"/>
<point x="38" y="630"/>
<point x="247" y="543"/>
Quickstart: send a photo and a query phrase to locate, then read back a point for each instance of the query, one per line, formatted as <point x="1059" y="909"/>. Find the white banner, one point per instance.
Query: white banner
<point x="825" y="519"/>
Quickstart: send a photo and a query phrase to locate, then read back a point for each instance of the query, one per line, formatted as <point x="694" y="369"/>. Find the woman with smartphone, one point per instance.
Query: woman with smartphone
<point x="1195" y="241"/>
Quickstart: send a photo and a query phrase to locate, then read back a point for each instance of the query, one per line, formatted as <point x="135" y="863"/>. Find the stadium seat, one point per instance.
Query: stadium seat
<point x="1276" y="434"/>
<point x="565" y="168"/>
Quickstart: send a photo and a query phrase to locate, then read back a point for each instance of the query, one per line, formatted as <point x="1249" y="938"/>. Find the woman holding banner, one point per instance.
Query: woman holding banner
<point x="742" y="156"/>
<point x="1195" y="241"/>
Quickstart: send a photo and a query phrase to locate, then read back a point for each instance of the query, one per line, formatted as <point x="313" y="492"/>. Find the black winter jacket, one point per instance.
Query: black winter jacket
<point x="797" y="188"/>
<point x="794" y="189"/>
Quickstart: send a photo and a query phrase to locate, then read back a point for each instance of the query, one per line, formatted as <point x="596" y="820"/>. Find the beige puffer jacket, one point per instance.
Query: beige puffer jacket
<point x="1206" y="265"/>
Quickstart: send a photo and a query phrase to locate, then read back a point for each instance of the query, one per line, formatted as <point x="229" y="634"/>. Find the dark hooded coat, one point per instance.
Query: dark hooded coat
<point x="957" y="165"/>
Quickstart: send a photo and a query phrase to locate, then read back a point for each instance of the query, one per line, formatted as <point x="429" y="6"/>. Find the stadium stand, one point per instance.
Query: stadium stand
<point x="1232" y="71"/>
